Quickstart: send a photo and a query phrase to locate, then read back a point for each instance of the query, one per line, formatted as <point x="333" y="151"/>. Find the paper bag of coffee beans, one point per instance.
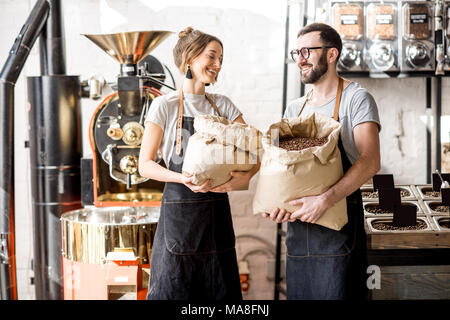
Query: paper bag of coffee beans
<point x="218" y="147"/>
<point x="300" y="158"/>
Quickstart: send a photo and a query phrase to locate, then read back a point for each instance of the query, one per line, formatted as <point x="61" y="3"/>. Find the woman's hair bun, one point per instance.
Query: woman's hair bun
<point x="185" y="32"/>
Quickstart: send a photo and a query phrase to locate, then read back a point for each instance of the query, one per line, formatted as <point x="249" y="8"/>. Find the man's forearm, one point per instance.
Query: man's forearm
<point x="362" y="170"/>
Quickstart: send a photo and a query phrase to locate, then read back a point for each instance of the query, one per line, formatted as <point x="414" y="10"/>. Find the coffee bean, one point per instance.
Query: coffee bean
<point x="420" y="225"/>
<point x="380" y="21"/>
<point x="416" y="21"/>
<point x="300" y="143"/>
<point x="404" y="193"/>
<point x="374" y="195"/>
<point x="433" y="194"/>
<point x="377" y="210"/>
<point x="439" y="208"/>
<point x="348" y="20"/>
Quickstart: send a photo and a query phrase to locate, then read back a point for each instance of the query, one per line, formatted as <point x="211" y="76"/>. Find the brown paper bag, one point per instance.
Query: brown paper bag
<point x="218" y="147"/>
<point x="288" y="175"/>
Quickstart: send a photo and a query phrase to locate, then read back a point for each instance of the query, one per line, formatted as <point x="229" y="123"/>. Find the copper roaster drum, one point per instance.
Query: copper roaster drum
<point x="89" y="234"/>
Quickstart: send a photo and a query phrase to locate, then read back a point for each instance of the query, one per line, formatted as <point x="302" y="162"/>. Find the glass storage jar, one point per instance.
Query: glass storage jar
<point x="348" y="19"/>
<point x="381" y="21"/>
<point x="417" y="21"/>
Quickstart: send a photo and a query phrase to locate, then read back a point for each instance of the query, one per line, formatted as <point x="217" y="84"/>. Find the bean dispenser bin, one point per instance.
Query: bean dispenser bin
<point x="348" y="19"/>
<point x="381" y="34"/>
<point x="417" y="36"/>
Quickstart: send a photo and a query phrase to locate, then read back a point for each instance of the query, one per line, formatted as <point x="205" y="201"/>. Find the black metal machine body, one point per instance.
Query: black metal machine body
<point x="55" y="152"/>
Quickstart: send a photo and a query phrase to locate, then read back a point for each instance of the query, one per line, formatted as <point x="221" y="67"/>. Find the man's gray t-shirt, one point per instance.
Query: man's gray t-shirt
<point x="164" y="112"/>
<point x="357" y="106"/>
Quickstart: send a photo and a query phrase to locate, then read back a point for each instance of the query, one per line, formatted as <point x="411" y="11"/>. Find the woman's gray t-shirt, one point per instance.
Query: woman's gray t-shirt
<point x="357" y="106"/>
<point x="164" y="112"/>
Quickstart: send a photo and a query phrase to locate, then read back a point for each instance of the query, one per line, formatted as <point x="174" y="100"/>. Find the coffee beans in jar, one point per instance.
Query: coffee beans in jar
<point x="417" y="21"/>
<point x="348" y="20"/>
<point x="381" y="21"/>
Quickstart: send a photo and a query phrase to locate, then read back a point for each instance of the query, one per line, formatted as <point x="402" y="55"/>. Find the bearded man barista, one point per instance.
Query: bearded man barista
<point x="322" y="263"/>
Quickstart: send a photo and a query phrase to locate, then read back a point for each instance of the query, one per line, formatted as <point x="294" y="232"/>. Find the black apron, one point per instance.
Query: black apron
<point x="193" y="255"/>
<point x="325" y="264"/>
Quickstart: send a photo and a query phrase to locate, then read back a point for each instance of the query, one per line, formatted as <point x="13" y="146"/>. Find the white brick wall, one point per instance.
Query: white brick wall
<point x="253" y="37"/>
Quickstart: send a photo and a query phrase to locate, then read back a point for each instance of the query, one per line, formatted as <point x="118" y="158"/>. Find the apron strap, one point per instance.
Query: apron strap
<point x="180" y="118"/>
<point x="179" y="122"/>
<point x="308" y="96"/>
<point x="211" y="102"/>
<point x="337" y="103"/>
<point x="338" y="99"/>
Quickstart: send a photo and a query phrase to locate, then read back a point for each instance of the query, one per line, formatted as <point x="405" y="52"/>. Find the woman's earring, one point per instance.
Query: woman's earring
<point x="188" y="73"/>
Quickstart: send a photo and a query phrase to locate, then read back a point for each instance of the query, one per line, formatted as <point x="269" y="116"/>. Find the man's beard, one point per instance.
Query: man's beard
<point x="317" y="72"/>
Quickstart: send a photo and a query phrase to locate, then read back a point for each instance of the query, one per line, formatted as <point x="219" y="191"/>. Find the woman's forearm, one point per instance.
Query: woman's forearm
<point x="255" y="169"/>
<point x="150" y="169"/>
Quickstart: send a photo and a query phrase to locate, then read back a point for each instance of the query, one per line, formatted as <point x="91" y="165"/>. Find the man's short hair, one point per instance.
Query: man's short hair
<point x="328" y="35"/>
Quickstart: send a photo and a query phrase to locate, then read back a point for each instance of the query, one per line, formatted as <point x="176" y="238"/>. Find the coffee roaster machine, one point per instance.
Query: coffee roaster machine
<point x="117" y="126"/>
<point x="107" y="245"/>
<point x="93" y="219"/>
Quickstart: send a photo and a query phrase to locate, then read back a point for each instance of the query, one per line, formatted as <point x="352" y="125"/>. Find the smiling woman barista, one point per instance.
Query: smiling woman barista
<point x="193" y="255"/>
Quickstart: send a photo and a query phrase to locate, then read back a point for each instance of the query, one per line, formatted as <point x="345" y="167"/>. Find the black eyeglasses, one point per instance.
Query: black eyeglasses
<point x="304" y="52"/>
